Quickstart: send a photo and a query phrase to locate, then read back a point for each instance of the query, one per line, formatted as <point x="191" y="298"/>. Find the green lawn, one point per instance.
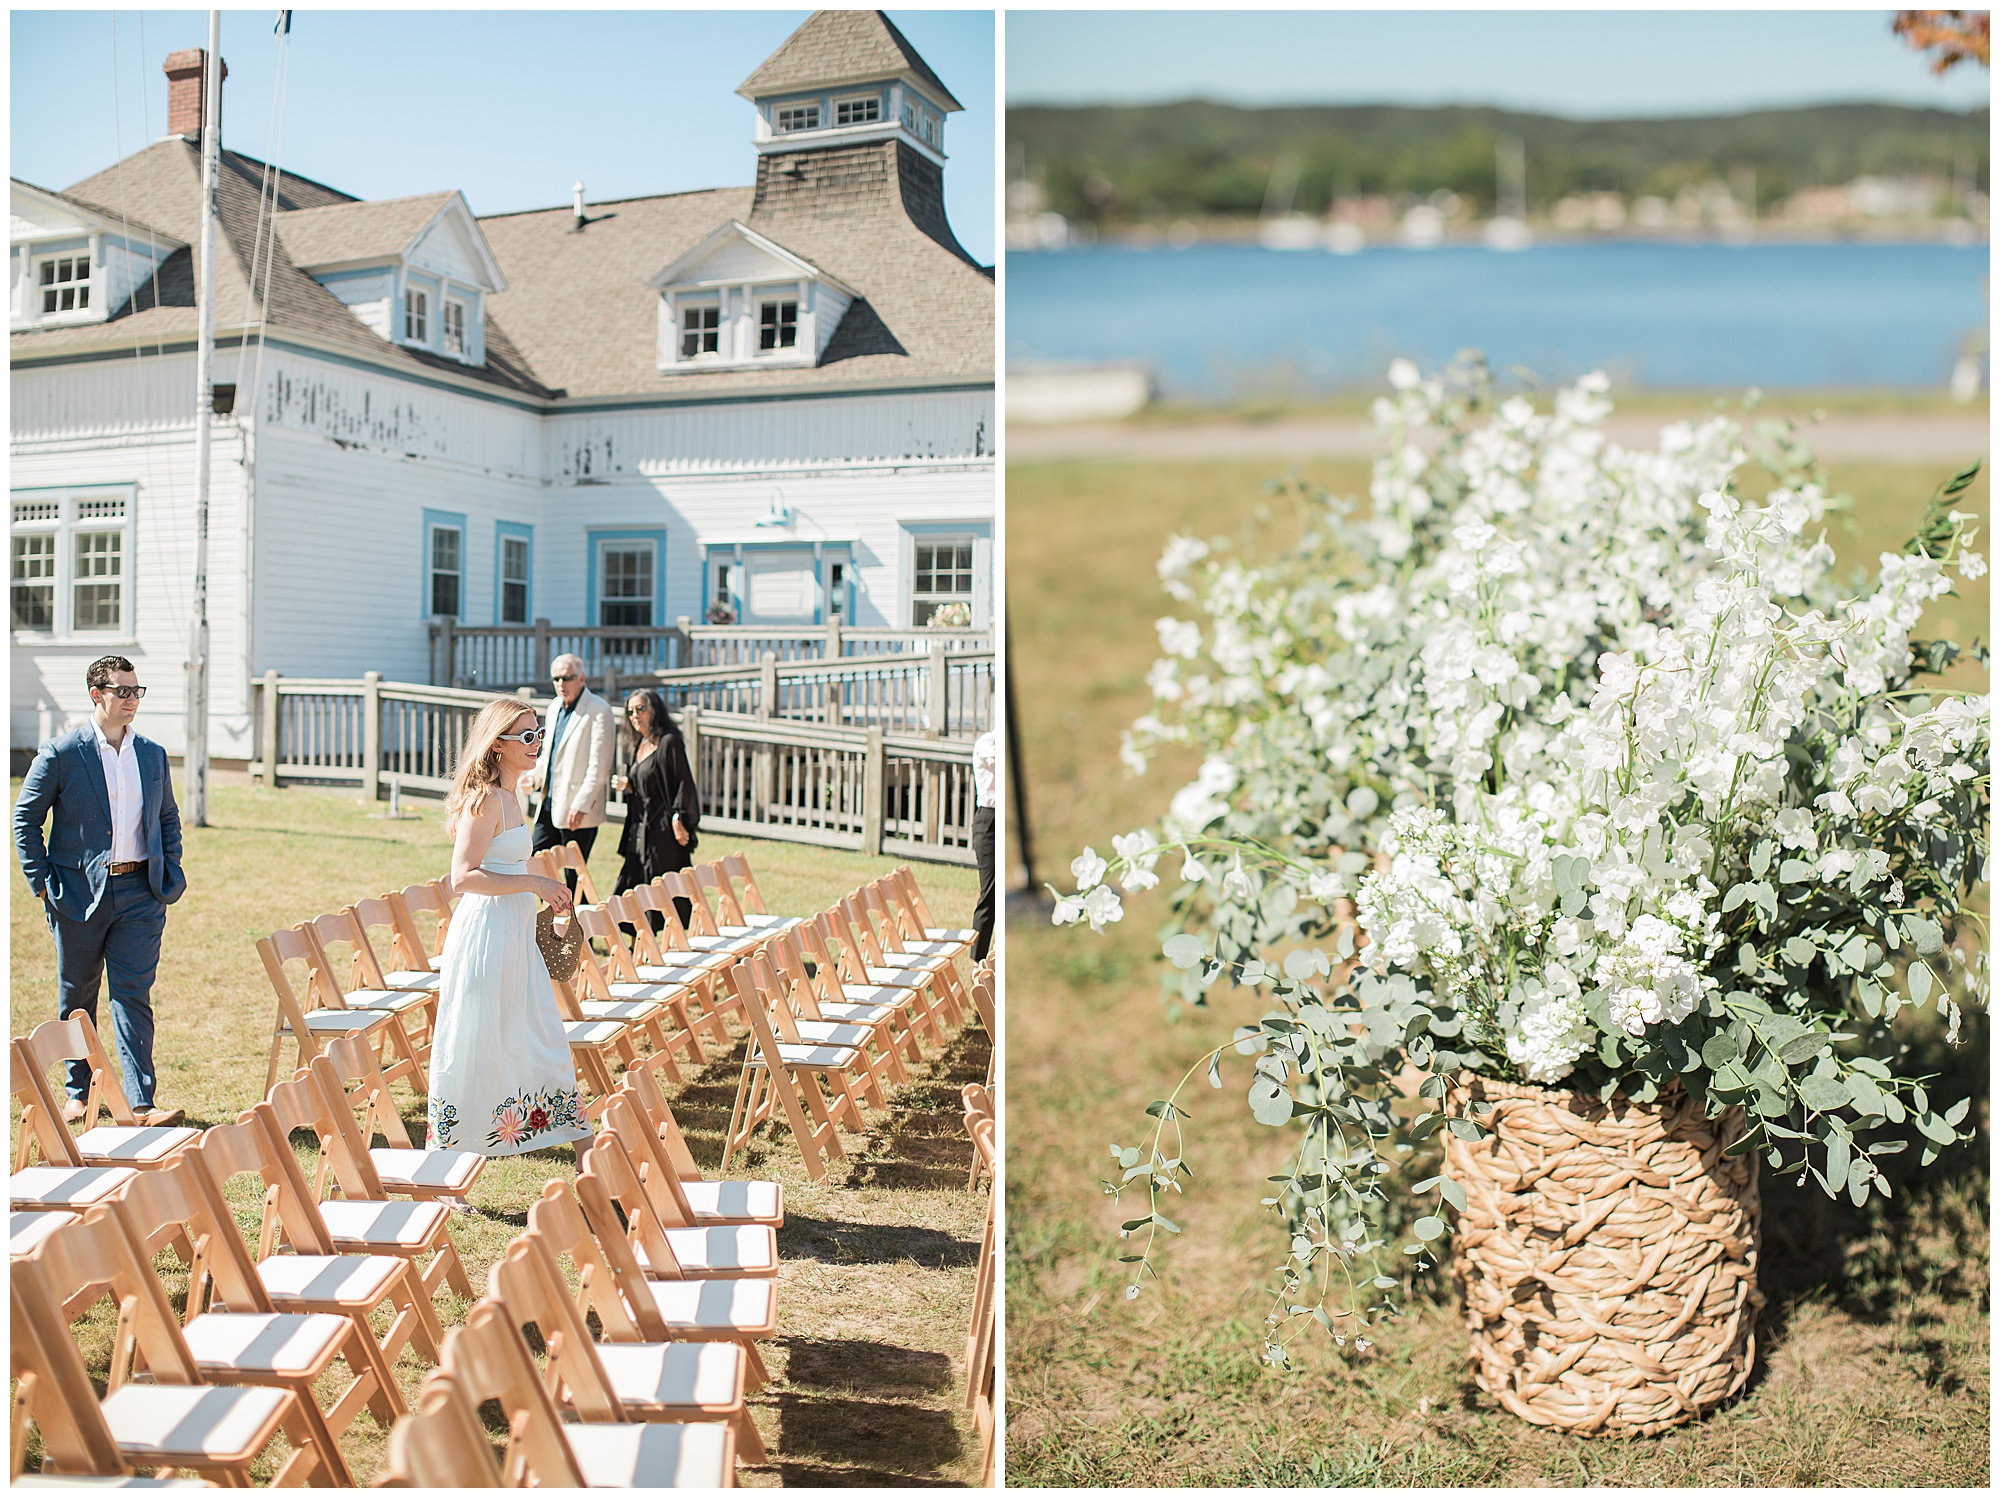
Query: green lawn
<point x="878" y="1259"/>
<point x="1873" y="1351"/>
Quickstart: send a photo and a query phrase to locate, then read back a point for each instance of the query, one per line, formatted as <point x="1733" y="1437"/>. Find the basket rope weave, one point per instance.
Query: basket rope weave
<point x="1607" y="1257"/>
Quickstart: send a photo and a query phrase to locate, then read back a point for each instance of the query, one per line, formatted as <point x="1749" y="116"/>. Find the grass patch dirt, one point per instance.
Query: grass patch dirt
<point x="1873" y="1364"/>
<point x="877" y="1260"/>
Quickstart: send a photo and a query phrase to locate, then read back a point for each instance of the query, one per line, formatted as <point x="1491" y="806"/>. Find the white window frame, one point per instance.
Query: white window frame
<point x="605" y="546"/>
<point x="970" y="542"/>
<point x="455" y="308"/>
<point x="521" y="582"/>
<point x="89" y="284"/>
<point x="66" y="515"/>
<point x="814" y="107"/>
<point x="698" y="303"/>
<point x="788" y="298"/>
<point x="432" y="572"/>
<point x="854" y="101"/>
<point x="416" y="315"/>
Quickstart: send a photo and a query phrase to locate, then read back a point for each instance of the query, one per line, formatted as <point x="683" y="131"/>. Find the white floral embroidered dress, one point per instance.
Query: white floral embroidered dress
<point x="502" y="1082"/>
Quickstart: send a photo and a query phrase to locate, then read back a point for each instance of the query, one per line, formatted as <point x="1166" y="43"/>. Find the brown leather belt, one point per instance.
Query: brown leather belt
<point x="126" y="868"/>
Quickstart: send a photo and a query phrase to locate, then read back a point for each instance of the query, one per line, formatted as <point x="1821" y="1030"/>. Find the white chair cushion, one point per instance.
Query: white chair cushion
<point x="757" y="1200"/>
<point x="395" y="1000"/>
<point x="591" y="1032"/>
<point x="650" y="1456"/>
<point x="858" y="1014"/>
<point x="166" y="1424"/>
<point x="817" y="1057"/>
<point x="741" y="1249"/>
<point x="713" y="1305"/>
<point x="26" y="1229"/>
<point x="260" y="1343"/>
<point x="439" y="1170"/>
<point x="821" y="1032"/>
<point x="769" y="922"/>
<point x="409" y="978"/>
<point x="957" y="935"/>
<point x="42" y="1187"/>
<point x="617" y="1009"/>
<point x="674" y="1375"/>
<point x="898" y="977"/>
<point x="406" y="1224"/>
<point x="926" y="949"/>
<point x="678" y="977"/>
<point x="37" y="1480"/>
<point x="124" y="1143"/>
<point x="645" y="993"/>
<point x="324" y="1279"/>
<point x="342" y="1021"/>
<point x="893" y="995"/>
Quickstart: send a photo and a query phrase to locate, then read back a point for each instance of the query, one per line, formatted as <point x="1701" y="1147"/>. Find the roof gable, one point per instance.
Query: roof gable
<point x="434" y="230"/>
<point x="37" y="213"/>
<point x="735" y="254"/>
<point x="834" y="48"/>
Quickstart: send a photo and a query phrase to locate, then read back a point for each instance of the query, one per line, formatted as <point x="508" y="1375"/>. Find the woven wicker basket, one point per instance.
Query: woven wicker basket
<point x="1607" y="1257"/>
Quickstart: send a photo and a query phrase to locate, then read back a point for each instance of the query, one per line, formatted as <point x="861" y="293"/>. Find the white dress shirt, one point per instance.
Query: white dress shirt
<point x="128" y="799"/>
<point x="986" y="769"/>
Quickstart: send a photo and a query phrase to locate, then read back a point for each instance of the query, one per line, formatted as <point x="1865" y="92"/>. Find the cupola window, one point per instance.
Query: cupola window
<point x="858" y="111"/>
<point x="792" y="117"/>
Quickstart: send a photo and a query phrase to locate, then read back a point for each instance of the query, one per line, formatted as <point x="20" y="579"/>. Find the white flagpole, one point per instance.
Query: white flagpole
<point x="195" y="763"/>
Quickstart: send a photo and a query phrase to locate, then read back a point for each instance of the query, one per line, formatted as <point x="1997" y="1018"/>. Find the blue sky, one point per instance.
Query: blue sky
<point x="511" y="107"/>
<point x="1582" y="63"/>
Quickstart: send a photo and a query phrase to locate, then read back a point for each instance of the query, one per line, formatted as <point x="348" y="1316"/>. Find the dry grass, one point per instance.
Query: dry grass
<point x="1873" y="1349"/>
<point x="878" y="1259"/>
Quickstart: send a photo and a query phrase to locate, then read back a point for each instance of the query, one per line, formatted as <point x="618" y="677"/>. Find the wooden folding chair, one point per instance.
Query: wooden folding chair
<point x="652" y="1377"/>
<point x="911" y="995"/>
<point x="784" y="1074"/>
<point x="362" y="1219"/>
<point x="734" y="867"/>
<point x="311" y="1026"/>
<point x="62" y="1182"/>
<point x="670" y="945"/>
<point x="378" y="914"/>
<point x="611" y="1383"/>
<point x="985" y="1001"/>
<point x="445" y="1175"/>
<point x="645" y="961"/>
<point x="666" y="1305"/>
<point x="594" y="1046"/>
<point x="703" y="934"/>
<point x="125" y="1141"/>
<point x="925" y="925"/>
<point x="885" y="1025"/>
<point x="314" y="1278"/>
<point x="416" y="1008"/>
<point x="647" y="1007"/>
<point x="668" y="1168"/>
<point x="883" y="950"/>
<point x="854" y="957"/>
<point x="489" y="1360"/>
<point x="979" y="1336"/>
<point x="415" y="907"/>
<point x="730" y="916"/>
<point x="892" y="908"/>
<point x="176" y="1420"/>
<point x="243" y="1338"/>
<point x="569" y="856"/>
<point x="978" y="1108"/>
<point x="440" y="1443"/>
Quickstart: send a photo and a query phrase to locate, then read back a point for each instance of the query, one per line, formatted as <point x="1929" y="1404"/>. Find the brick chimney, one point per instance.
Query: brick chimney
<point x="185" y="71"/>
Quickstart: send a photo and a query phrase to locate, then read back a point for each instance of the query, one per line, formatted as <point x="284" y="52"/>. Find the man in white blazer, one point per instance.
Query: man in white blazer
<point x="574" y="771"/>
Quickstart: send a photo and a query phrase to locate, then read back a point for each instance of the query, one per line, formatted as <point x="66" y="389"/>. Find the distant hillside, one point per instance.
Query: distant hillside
<point x="1134" y="162"/>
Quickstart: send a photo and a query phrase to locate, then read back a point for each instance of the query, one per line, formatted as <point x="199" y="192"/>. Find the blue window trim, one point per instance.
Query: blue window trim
<point x="502" y="530"/>
<point x="659" y="540"/>
<point x="454" y="520"/>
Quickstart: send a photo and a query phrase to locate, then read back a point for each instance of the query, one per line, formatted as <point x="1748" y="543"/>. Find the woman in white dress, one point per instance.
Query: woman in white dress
<point x="502" y="1082"/>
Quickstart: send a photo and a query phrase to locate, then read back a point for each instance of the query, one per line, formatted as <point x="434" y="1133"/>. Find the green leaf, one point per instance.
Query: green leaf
<point x="1185" y="950"/>
<point x="1270" y="1102"/>
<point x="1955" y="1114"/>
<point x="1382" y="1282"/>
<point x="1465" y="1128"/>
<point x="1428" y="1228"/>
<point x="1453" y="1192"/>
<point x="1215" y="1070"/>
<point x="1165" y="1109"/>
<point x="1302" y="965"/>
<point x="1134" y="1225"/>
<point x="1738" y="893"/>
<point x="1433" y="1087"/>
<point x="1823" y="1094"/>
<point x="1163" y="1222"/>
<point x="1794" y="871"/>
<point x="1838" y="1160"/>
<point x="1719" y="1050"/>
<point x="1926" y="936"/>
<point x="1920" y="983"/>
<point x="1802" y="1048"/>
<point x="1760" y="860"/>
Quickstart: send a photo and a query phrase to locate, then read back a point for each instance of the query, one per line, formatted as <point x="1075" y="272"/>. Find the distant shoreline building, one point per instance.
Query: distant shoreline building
<point x="769" y="404"/>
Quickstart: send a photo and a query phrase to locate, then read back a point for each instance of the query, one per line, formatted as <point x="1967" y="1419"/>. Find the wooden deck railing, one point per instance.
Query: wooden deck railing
<point x="839" y="785"/>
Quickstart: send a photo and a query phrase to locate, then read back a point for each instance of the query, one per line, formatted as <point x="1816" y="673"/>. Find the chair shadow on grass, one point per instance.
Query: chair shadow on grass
<point x="873" y="1243"/>
<point x="896" y="1438"/>
<point x="854" y="1366"/>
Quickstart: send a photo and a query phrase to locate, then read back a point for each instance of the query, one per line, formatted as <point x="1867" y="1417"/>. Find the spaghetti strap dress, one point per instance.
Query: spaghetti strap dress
<point x="502" y="1082"/>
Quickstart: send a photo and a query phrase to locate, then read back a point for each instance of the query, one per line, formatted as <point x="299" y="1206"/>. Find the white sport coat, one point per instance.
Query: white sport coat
<point x="579" y="776"/>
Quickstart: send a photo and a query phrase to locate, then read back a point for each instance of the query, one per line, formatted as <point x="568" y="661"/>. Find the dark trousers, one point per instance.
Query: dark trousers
<point x="982" y="850"/>
<point x="548" y="835"/>
<point x="120" y="943"/>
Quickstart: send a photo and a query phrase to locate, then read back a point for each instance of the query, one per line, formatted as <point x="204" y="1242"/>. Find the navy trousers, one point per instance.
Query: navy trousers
<point x="982" y="852"/>
<point x="548" y="835"/>
<point x="119" y="944"/>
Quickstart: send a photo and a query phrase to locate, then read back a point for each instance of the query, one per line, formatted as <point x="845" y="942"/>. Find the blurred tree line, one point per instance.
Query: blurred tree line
<point x="1126" y="163"/>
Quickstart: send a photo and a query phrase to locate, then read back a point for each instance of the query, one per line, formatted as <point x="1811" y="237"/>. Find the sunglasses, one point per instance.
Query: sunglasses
<point x="559" y="680"/>
<point x="525" y="736"/>
<point x="128" y="694"/>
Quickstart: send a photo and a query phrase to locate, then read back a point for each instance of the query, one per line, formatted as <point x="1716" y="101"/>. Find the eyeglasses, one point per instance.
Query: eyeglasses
<point x="525" y="736"/>
<point x="128" y="694"/>
<point x="634" y="709"/>
<point x="571" y="676"/>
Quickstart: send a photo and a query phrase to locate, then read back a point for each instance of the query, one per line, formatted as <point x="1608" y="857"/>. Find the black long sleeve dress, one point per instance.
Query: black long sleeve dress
<point x="659" y="785"/>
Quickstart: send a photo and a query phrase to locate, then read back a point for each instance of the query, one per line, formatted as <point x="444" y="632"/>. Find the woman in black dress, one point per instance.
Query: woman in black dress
<point x="662" y="809"/>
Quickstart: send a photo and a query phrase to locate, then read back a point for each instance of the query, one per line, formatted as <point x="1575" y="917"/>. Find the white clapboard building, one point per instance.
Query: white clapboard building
<point x="776" y="399"/>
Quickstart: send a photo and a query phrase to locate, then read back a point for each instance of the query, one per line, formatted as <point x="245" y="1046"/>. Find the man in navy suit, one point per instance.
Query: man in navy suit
<point x="110" y="868"/>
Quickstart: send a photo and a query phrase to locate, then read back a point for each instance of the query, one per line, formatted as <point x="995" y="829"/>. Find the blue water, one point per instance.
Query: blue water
<point x="1224" y="320"/>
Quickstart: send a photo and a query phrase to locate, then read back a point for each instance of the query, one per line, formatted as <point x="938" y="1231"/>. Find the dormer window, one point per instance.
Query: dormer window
<point x="64" y="283"/>
<point x="701" y="330"/>
<point x="793" y="117"/>
<point x="864" y="111"/>
<point x="777" y="325"/>
<point x="454" y="328"/>
<point x="416" y="316"/>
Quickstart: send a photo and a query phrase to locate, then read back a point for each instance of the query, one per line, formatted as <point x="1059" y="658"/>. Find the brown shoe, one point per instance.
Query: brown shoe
<point x="73" y="1111"/>
<point x="160" y="1118"/>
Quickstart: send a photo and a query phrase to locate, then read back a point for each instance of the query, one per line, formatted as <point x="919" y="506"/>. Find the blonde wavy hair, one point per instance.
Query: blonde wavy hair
<point x="478" y="769"/>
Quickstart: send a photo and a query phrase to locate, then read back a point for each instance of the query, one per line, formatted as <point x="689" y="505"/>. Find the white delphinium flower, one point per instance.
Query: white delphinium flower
<point x="1101" y="907"/>
<point x="1180" y="637"/>
<point x="1649" y="976"/>
<point x="1141" y="850"/>
<point x="1088" y="868"/>
<point x="1552" y="1035"/>
<point x="1201" y="801"/>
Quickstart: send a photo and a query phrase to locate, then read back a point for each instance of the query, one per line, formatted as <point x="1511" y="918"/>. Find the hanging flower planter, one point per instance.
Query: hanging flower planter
<point x="1606" y="1258"/>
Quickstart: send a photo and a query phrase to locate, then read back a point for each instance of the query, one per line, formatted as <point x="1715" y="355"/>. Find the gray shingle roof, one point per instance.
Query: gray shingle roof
<point x="837" y="47"/>
<point x="140" y="232"/>
<point x="357" y="231"/>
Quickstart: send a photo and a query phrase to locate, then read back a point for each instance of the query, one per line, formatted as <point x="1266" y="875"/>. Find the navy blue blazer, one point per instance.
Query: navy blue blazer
<point x="67" y="778"/>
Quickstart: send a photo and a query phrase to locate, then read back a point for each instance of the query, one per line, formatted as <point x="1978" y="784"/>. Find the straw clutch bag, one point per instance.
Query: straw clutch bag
<point x="560" y="953"/>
